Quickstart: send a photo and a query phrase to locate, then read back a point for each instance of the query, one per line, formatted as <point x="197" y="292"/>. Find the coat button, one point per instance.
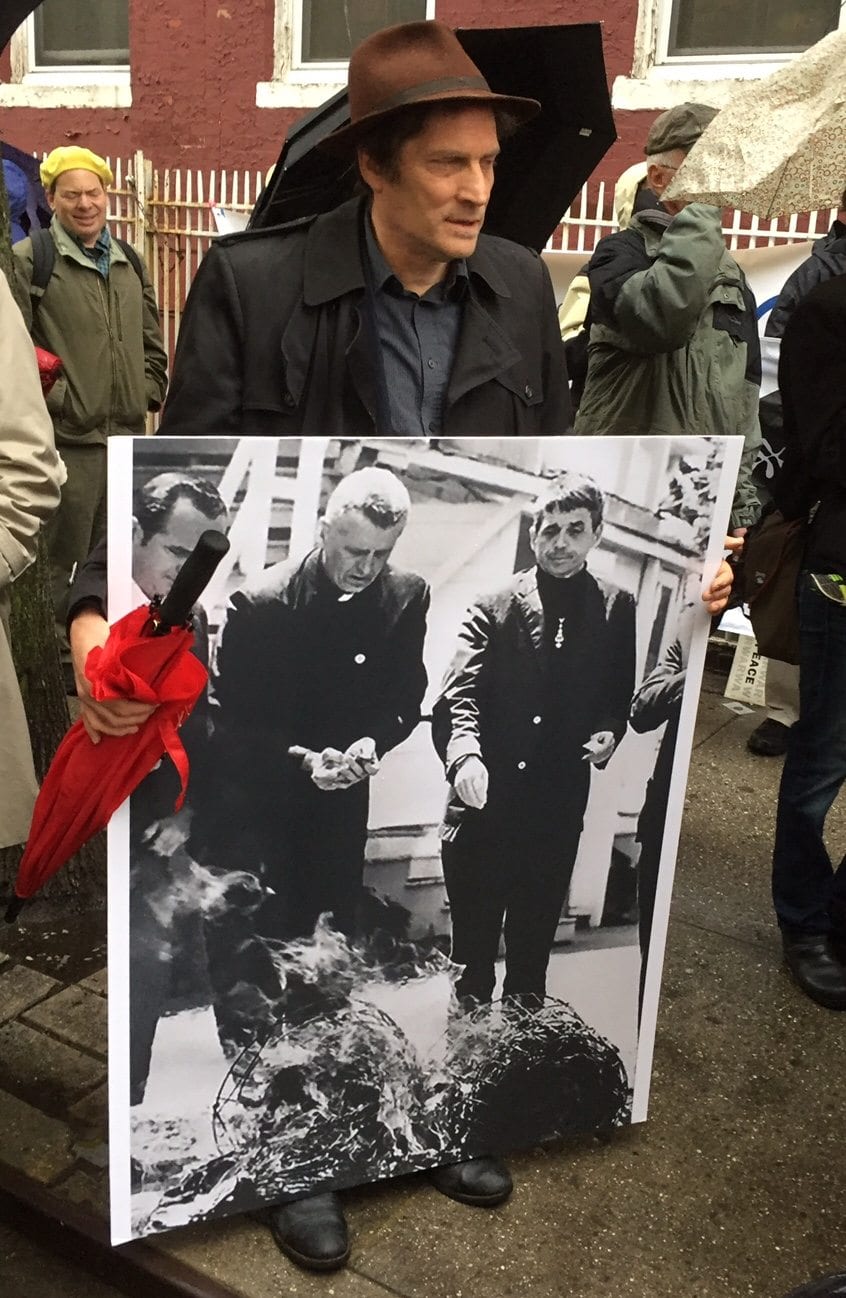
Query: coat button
<point x="360" y="658"/>
<point x="529" y="391"/>
<point x="536" y="721"/>
<point x="521" y="766"/>
<point x="288" y="400"/>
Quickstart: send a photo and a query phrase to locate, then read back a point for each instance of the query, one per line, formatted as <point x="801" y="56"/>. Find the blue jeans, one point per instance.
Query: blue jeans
<point x="807" y="890"/>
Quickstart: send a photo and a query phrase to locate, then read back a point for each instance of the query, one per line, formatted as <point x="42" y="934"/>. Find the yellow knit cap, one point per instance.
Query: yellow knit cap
<point x="72" y="158"/>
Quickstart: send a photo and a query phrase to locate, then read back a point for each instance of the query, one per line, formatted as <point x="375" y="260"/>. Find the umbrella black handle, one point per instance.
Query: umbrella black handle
<point x="191" y="580"/>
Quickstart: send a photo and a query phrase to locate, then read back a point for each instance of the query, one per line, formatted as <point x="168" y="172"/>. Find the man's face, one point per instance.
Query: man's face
<point x="156" y="561"/>
<point x="660" y="174"/>
<point x="434" y="207"/>
<point x="562" y="540"/>
<point x="355" y="550"/>
<point x="81" y="204"/>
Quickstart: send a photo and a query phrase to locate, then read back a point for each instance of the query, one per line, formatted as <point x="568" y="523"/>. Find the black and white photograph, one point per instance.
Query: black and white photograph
<point x="412" y="910"/>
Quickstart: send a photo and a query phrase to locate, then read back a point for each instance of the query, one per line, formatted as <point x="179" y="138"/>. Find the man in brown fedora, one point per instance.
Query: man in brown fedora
<point x="392" y="313"/>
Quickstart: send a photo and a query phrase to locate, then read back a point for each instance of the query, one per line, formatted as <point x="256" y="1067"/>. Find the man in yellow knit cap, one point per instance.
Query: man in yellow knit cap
<point x="90" y="302"/>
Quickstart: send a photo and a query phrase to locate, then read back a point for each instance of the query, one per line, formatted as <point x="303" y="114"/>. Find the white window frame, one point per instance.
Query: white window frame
<point x="296" y="84"/>
<point x="72" y="86"/>
<point x="659" y="81"/>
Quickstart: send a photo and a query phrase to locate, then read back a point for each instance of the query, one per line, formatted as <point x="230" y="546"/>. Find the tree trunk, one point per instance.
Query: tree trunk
<point x="39" y="671"/>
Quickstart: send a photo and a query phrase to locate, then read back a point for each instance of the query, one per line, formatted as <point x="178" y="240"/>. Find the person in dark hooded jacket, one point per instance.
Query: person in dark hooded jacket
<point x="827" y="259"/>
<point x="809" y="888"/>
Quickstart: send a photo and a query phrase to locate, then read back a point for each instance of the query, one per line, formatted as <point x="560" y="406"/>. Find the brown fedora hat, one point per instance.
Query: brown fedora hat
<point x="413" y="63"/>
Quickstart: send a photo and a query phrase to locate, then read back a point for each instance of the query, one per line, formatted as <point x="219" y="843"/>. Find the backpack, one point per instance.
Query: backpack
<point x="44" y="259"/>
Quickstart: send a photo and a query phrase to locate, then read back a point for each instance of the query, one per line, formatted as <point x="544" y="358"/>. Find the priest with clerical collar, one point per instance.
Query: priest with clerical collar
<point x="319" y="673"/>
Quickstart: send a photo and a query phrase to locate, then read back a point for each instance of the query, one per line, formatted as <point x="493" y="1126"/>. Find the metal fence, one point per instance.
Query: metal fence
<point x="169" y="216"/>
<point x="173" y="214"/>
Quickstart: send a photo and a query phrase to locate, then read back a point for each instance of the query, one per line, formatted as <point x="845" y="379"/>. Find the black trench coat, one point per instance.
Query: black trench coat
<point x="273" y="341"/>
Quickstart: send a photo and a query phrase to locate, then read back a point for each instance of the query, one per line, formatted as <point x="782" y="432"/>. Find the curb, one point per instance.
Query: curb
<point x="80" y="1236"/>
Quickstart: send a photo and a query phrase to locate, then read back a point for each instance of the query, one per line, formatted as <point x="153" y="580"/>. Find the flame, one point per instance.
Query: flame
<point x="332" y="1091"/>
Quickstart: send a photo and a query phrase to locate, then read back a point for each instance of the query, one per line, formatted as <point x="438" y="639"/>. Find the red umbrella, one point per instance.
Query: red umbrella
<point x="49" y="368"/>
<point x="148" y="658"/>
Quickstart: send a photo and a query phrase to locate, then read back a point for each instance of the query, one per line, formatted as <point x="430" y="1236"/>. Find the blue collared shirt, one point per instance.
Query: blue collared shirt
<point x="100" y="253"/>
<point x="418" y="336"/>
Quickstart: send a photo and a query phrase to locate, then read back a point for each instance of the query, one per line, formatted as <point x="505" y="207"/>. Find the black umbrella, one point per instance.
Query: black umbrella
<point x="12" y="14"/>
<point x="541" y="168"/>
<point x="304" y="180"/>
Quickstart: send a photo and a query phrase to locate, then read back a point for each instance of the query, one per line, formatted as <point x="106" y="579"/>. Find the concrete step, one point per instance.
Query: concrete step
<point x="81" y="1239"/>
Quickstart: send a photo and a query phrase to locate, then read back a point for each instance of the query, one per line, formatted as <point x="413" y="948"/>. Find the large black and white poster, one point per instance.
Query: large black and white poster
<point x="413" y="909"/>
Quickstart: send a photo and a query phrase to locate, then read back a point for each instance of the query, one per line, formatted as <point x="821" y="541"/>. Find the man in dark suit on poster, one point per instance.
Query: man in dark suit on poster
<point x="537" y="693"/>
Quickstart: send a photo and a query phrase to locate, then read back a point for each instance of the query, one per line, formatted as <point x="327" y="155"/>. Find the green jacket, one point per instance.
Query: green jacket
<point x="674" y="345"/>
<point x="106" y="332"/>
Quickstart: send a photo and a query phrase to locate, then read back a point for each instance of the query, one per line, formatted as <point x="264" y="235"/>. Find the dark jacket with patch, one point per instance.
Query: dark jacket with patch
<point x="674" y="343"/>
<point x="274" y="340"/>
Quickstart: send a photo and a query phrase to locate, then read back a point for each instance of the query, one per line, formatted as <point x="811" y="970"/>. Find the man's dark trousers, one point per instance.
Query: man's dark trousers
<point x="312" y="865"/>
<point x="807" y="891"/>
<point x="515" y="865"/>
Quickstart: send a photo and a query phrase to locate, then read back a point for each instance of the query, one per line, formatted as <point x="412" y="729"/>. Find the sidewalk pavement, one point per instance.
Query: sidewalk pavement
<point x="734" y="1187"/>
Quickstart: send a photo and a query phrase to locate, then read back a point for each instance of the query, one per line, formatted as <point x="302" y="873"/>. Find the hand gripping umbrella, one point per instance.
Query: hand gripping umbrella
<point x="147" y="657"/>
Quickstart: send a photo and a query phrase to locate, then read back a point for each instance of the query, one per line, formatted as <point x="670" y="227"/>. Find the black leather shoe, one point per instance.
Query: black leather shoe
<point x="481" y="1182"/>
<point x="312" y="1232"/>
<point x="837" y="914"/>
<point x="769" y="739"/>
<point x="811" y="960"/>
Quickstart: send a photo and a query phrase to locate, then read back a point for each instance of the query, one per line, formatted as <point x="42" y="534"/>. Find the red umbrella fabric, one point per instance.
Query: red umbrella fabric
<point x="87" y="782"/>
<point x="49" y="368"/>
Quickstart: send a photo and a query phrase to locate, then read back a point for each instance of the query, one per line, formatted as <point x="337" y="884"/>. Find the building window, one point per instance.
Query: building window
<point x="80" y="33"/>
<point x="71" y="54"/>
<point x="330" y="31"/>
<point x="709" y="28"/>
<point x="313" y="42"/>
<point x="702" y="49"/>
